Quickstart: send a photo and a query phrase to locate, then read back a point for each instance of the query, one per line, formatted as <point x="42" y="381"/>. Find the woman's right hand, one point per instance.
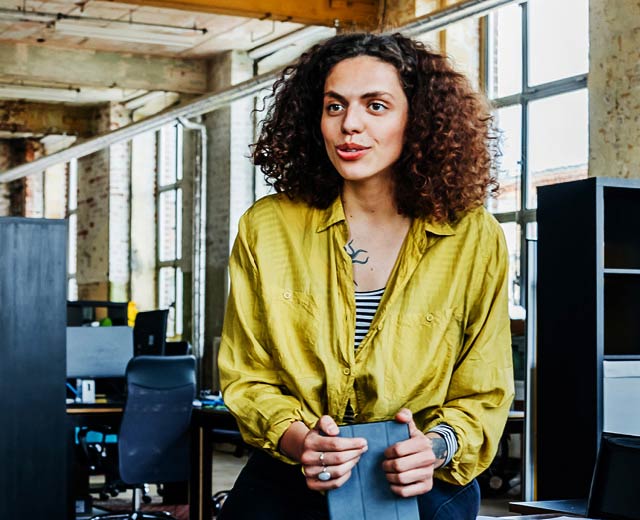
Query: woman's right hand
<point x="321" y="450"/>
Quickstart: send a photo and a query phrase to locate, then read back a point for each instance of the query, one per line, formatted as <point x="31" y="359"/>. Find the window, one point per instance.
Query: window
<point x="169" y="227"/>
<point x="536" y="77"/>
<point x="72" y="216"/>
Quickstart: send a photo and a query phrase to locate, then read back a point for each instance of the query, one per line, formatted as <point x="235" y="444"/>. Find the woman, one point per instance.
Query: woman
<point x="372" y="286"/>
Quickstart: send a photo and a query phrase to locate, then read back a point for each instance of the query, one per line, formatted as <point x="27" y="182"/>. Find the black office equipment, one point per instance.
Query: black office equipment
<point x="33" y="438"/>
<point x="615" y="489"/>
<point x="98" y="352"/>
<point x="149" y="333"/>
<point x="153" y="442"/>
<point x="367" y="494"/>
<point x="85" y="312"/>
<point x="588" y="306"/>
<point x="177" y="348"/>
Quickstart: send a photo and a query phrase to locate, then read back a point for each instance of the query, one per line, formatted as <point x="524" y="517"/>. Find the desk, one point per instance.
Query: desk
<point x="203" y="421"/>
<point x="576" y="506"/>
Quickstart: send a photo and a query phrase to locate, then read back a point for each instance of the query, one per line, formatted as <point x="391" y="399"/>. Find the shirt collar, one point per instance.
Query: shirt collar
<point x="335" y="214"/>
<point x="438" y="228"/>
<point x="330" y="216"/>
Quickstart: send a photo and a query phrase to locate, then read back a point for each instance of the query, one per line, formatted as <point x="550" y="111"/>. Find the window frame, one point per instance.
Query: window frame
<point x="524" y="216"/>
<point x="176" y="262"/>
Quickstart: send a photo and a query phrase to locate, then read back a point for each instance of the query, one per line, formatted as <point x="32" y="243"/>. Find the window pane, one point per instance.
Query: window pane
<point x="558" y="140"/>
<point x="71" y="244"/>
<point x="72" y="289"/>
<point x="167" y="156"/>
<point x="512" y="235"/>
<point x="167" y="294"/>
<point x="505" y="51"/>
<point x="73" y="185"/>
<point x="178" y="250"/>
<point x="167" y="239"/>
<point x="509" y="123"/>
<point x="558" y="39"/>
<point x="170" y="297"/>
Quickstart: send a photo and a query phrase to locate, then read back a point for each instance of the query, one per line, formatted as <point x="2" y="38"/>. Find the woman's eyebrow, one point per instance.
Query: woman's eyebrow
<point x="366" y="95"/>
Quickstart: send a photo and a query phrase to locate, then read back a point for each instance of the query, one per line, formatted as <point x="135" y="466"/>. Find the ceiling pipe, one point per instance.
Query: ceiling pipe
<point x="210" y="102"/>
<point x="202" y="105"/>
<point x="449" y="15"/>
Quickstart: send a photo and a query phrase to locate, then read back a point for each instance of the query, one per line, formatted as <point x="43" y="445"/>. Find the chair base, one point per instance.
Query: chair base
<point x="137" y="515"/>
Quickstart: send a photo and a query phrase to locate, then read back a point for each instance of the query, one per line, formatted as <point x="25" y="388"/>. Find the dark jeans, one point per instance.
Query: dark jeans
<point x="268" y="489"/>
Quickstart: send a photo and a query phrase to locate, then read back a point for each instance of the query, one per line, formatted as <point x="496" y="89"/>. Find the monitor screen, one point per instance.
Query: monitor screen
<point x="149" y="333"/>
<point x="94" y="352"/>
<point x="615" y="492"/>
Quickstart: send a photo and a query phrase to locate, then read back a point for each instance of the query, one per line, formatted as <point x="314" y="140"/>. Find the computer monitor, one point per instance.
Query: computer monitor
<point x="615" y="491"/>
<point x="98" y="352"/>
<point x="150" y="332"/>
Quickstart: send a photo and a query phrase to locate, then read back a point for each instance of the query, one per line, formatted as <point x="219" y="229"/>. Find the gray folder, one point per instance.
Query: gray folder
<point x="367" y="495"/>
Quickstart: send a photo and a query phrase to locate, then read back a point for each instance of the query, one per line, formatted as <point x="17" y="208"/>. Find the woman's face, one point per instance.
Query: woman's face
<point x="364" y="116"/>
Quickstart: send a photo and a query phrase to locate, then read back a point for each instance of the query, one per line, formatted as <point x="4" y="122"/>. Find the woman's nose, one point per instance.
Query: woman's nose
<point x="352" y="121"/>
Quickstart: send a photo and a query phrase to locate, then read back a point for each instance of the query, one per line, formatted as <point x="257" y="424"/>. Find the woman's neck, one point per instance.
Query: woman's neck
<point x="371" y="201"/>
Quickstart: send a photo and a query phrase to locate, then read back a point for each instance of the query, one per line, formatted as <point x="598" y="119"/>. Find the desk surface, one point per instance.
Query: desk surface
<point x="577" y="506"/>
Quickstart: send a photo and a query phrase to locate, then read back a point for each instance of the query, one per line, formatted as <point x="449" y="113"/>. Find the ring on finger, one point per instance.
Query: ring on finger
<point x="324" y="475"/>
<point x="322" y="458"/>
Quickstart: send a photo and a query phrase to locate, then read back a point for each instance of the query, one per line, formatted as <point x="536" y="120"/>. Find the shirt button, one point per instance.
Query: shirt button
<point x="346" y="371"/>
<point x="429" y="317"/>
<point x="287" y="295"/>
<point x="380" y="326"/>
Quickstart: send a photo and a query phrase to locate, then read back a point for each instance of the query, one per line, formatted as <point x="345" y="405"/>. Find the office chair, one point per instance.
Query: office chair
<point x="153" y="442"/>
<point x="615" y="488"/>
<point x="150" y="332"/>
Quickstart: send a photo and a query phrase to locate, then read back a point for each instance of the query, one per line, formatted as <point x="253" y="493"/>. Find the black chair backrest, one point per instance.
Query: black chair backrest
<point x="149" y="333"/>
<point x="615" y="488"/>
<point x="153" y="442"/>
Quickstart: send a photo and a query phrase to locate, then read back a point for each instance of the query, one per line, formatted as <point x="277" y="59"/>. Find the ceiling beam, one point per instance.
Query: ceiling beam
<point x="46" y="118"/>
<point x="363" y="14"/>
<point x="34" y="64"/>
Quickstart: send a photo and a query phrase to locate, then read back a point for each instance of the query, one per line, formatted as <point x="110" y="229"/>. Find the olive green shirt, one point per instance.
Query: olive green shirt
<point x="439" y="343"/>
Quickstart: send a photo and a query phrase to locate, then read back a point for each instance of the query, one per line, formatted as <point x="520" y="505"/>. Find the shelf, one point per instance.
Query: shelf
<point x="621" y="243"/>
<point x="622" y="357"/>
<point x="622" y="271"/>
<point x="621" y="323"/>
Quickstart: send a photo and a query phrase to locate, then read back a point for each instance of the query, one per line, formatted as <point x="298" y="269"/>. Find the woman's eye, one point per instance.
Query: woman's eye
<point x="377" y="107"/>
<point x="332" y="108"/>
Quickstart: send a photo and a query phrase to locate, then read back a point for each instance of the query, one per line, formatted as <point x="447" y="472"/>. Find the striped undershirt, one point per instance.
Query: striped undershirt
<point x="367" y="303"/>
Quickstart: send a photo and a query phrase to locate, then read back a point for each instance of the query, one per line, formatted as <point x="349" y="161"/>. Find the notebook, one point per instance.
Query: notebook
<point x="367" y="493"/>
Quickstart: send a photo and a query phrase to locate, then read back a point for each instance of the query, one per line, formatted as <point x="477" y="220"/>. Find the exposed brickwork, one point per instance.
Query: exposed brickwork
<point x="5" y="163"/>
<point x="103" y="213"/>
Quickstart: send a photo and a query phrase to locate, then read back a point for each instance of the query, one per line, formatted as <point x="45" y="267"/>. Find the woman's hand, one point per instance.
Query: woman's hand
<point x="409" y="464"/>
<point x="328" y="454"/>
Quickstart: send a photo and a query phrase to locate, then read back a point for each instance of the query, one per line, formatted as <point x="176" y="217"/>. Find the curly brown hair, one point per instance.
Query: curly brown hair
<point x="446" y="166"/>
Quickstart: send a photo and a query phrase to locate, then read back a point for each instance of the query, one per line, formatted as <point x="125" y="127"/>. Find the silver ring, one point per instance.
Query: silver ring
<point x="324" y="475"/>
<point x="322" y="457"/>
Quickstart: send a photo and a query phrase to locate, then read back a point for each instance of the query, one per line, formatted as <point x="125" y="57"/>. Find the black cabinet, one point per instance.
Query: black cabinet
<point x="33" y="432"/>
<point x="588" y="313"/>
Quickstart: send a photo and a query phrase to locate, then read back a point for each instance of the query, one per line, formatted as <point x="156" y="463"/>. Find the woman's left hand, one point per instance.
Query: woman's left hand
<point x="410" y="464"/>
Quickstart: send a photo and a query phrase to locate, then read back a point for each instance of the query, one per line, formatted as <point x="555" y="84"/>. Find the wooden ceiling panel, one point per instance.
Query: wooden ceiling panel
<point x="361" y="13"/>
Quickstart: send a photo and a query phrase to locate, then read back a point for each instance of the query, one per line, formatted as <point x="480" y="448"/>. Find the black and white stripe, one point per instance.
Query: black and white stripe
<point x="367" y="303"/>
<point x="449" y="437"/>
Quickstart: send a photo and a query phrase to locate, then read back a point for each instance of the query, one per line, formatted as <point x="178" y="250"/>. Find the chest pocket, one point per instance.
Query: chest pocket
<point x="432" y="330"/>
<point x="292" y="318"/>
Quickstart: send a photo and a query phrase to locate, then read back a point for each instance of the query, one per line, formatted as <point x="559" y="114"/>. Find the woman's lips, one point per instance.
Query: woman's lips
<point x="351" y="154"/>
